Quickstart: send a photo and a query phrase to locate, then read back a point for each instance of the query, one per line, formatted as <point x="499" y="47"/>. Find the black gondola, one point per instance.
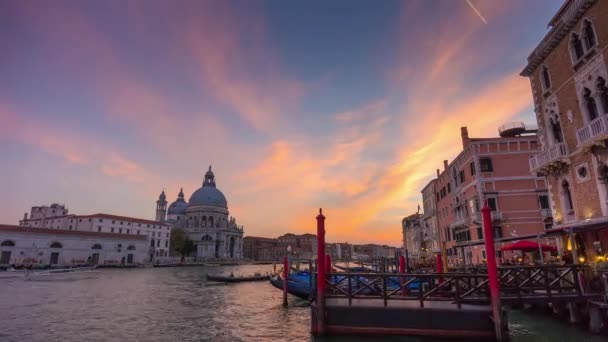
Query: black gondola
<point x="233" y="279"/>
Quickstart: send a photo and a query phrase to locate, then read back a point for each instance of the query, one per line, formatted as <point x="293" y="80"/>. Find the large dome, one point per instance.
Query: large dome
<point x="208" y="195"/>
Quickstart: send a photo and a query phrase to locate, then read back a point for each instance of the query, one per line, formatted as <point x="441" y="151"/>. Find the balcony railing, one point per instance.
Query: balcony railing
<point x="459" y="222"/>
<point x="592" y="132"/>
<point x="570" y="216"/>
<point x="546" y="213"/>
<point x="545" y="158"/>
<point x="496" y="215"/>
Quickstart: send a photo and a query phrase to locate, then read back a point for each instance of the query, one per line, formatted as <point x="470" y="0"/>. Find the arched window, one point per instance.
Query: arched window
<point x="207" y="238"/>
<point x="131" y="248"/>
<point x="556" y="128"/>
<point x="589" y="34"/>
<point x="211" y="221"/>
<point x="7" y="243"/>
<point x="204" y="221"/>
<point x="96" y="246"/>
<point x="567" y="195"/>
<point x="545" y="78"/>
<point x="56" y="245"/>
<point x="590" y="104"/>
<point x="603" y="91"/>
<point x="576" y="47"/>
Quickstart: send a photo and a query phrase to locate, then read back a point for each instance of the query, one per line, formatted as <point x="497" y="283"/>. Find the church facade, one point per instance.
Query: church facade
<point x="206" y="221"/>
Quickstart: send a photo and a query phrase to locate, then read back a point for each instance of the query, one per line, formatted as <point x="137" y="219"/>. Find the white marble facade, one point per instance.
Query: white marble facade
<point x="206" y="220"/>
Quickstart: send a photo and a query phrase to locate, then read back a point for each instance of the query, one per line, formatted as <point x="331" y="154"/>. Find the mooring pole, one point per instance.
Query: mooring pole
<point x="540" y="250"/>
<point x="402" y="271"/>
<point x="444" y="254"/>
<point x="320" y="273"/>
<point x="488" y="234"/>
<point x="285" y="277"/>
<point x="439" y="267"/>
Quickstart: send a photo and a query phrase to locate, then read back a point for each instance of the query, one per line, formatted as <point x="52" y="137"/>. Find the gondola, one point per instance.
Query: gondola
<point x="356" y="269"/>
<point x="233" y="279"/>
<point x="295" y="286"/>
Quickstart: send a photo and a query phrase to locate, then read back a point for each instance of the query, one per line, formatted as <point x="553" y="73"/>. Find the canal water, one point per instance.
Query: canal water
<point x="175" y="304"/>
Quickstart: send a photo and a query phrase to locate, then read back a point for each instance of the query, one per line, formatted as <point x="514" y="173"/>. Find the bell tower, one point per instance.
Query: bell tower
<point x="161" y="207"/>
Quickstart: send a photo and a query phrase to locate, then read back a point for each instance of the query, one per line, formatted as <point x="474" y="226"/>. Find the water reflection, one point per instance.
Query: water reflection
<point x="174" y="304"/>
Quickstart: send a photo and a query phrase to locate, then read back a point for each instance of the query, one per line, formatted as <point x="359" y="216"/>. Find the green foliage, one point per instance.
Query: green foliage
<point x="181" y="244"/>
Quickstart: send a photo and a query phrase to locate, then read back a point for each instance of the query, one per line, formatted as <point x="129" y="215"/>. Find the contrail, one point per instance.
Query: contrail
<point x="476" y="11"/>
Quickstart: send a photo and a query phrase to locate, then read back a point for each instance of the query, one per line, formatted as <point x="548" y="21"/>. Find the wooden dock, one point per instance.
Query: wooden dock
<point x="437" y="319"/>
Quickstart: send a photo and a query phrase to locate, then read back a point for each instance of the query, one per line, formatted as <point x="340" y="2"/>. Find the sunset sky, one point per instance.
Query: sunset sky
<point x="346" y="105"/>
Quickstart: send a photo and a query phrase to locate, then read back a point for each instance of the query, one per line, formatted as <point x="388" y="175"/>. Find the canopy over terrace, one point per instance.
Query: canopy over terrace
<point x="528" y="246"/>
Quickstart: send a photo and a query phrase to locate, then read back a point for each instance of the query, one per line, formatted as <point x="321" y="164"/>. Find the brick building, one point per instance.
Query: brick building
<point x="569" y="81"/>
<point x="495" y="169"/>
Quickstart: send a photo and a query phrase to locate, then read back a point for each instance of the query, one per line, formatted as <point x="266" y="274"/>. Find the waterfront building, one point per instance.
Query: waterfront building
<point x="569" y="81"/>
<point x="21" y="245"/>
<point x="430" y="232"/>
<point x="302" y="245"/>
<point x="57" y="217"/>
<point x="258" y="248"/>
<point x="411" y="230"/>
<point x="445" y="214"/>
<point x="205" y="219"/>
<point x="493" y="169"/>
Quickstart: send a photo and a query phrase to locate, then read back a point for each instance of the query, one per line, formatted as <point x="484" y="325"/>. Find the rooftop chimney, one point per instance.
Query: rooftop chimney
<point x="445" y="165"/>
<point x="464" y="134"/>
<point x="25" y="216"/>
<point x="437" y="172"/>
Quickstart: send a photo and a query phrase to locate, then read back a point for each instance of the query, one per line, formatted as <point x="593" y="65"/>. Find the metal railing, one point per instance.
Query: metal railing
<point x="496" y="215"/>
<point x="452" y="287"/>
<point x="553" y="153"/>
<point x="518" y="284"/>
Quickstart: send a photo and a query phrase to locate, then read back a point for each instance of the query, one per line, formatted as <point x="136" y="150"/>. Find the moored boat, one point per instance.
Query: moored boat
<point x="237" y="279"/>
<point x="295" y="286"/>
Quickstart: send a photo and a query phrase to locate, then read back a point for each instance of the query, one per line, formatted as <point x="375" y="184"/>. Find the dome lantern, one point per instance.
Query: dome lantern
<point x="209" y="178"/>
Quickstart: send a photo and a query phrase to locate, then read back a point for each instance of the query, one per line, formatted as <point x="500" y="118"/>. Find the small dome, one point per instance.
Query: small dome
<point x="179" y="206"/>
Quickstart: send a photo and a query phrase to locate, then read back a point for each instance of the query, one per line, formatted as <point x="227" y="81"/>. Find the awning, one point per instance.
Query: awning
<point x="527" y="246"/>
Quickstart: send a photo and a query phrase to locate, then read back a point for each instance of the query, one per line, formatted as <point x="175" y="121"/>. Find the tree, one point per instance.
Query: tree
<point x="181" y="244"/>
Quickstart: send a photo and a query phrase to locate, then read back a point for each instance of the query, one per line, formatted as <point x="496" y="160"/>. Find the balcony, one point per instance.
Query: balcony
<point x="496" y="215"/>
<point x="553" y="157"/>
<point x="545" y="213"/>
<point x="595" y="132"/>
<point x="459" y="222"/>
<point x="570" y="216"/>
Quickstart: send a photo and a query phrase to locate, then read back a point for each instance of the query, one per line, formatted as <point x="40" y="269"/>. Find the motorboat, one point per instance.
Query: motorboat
<point x="76" y="273"/>
<point x="13" y="273"/>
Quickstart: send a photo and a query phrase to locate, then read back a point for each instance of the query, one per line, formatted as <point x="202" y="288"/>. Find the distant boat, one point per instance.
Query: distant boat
<point x="233" y="279"/>
<point x="12" y="273"/>
<point x="62" y="274"/>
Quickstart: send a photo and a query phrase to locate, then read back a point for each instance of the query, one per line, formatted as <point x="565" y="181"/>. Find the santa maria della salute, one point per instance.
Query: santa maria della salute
<point x="205" y="219"/>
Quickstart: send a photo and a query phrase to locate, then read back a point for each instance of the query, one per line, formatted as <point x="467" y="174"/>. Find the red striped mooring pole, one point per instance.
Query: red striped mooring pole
<point x="320" y="273"/>
<point x="285" y="277"/>
<point x="488" y="235"/>
<point x="402" y="271"/>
